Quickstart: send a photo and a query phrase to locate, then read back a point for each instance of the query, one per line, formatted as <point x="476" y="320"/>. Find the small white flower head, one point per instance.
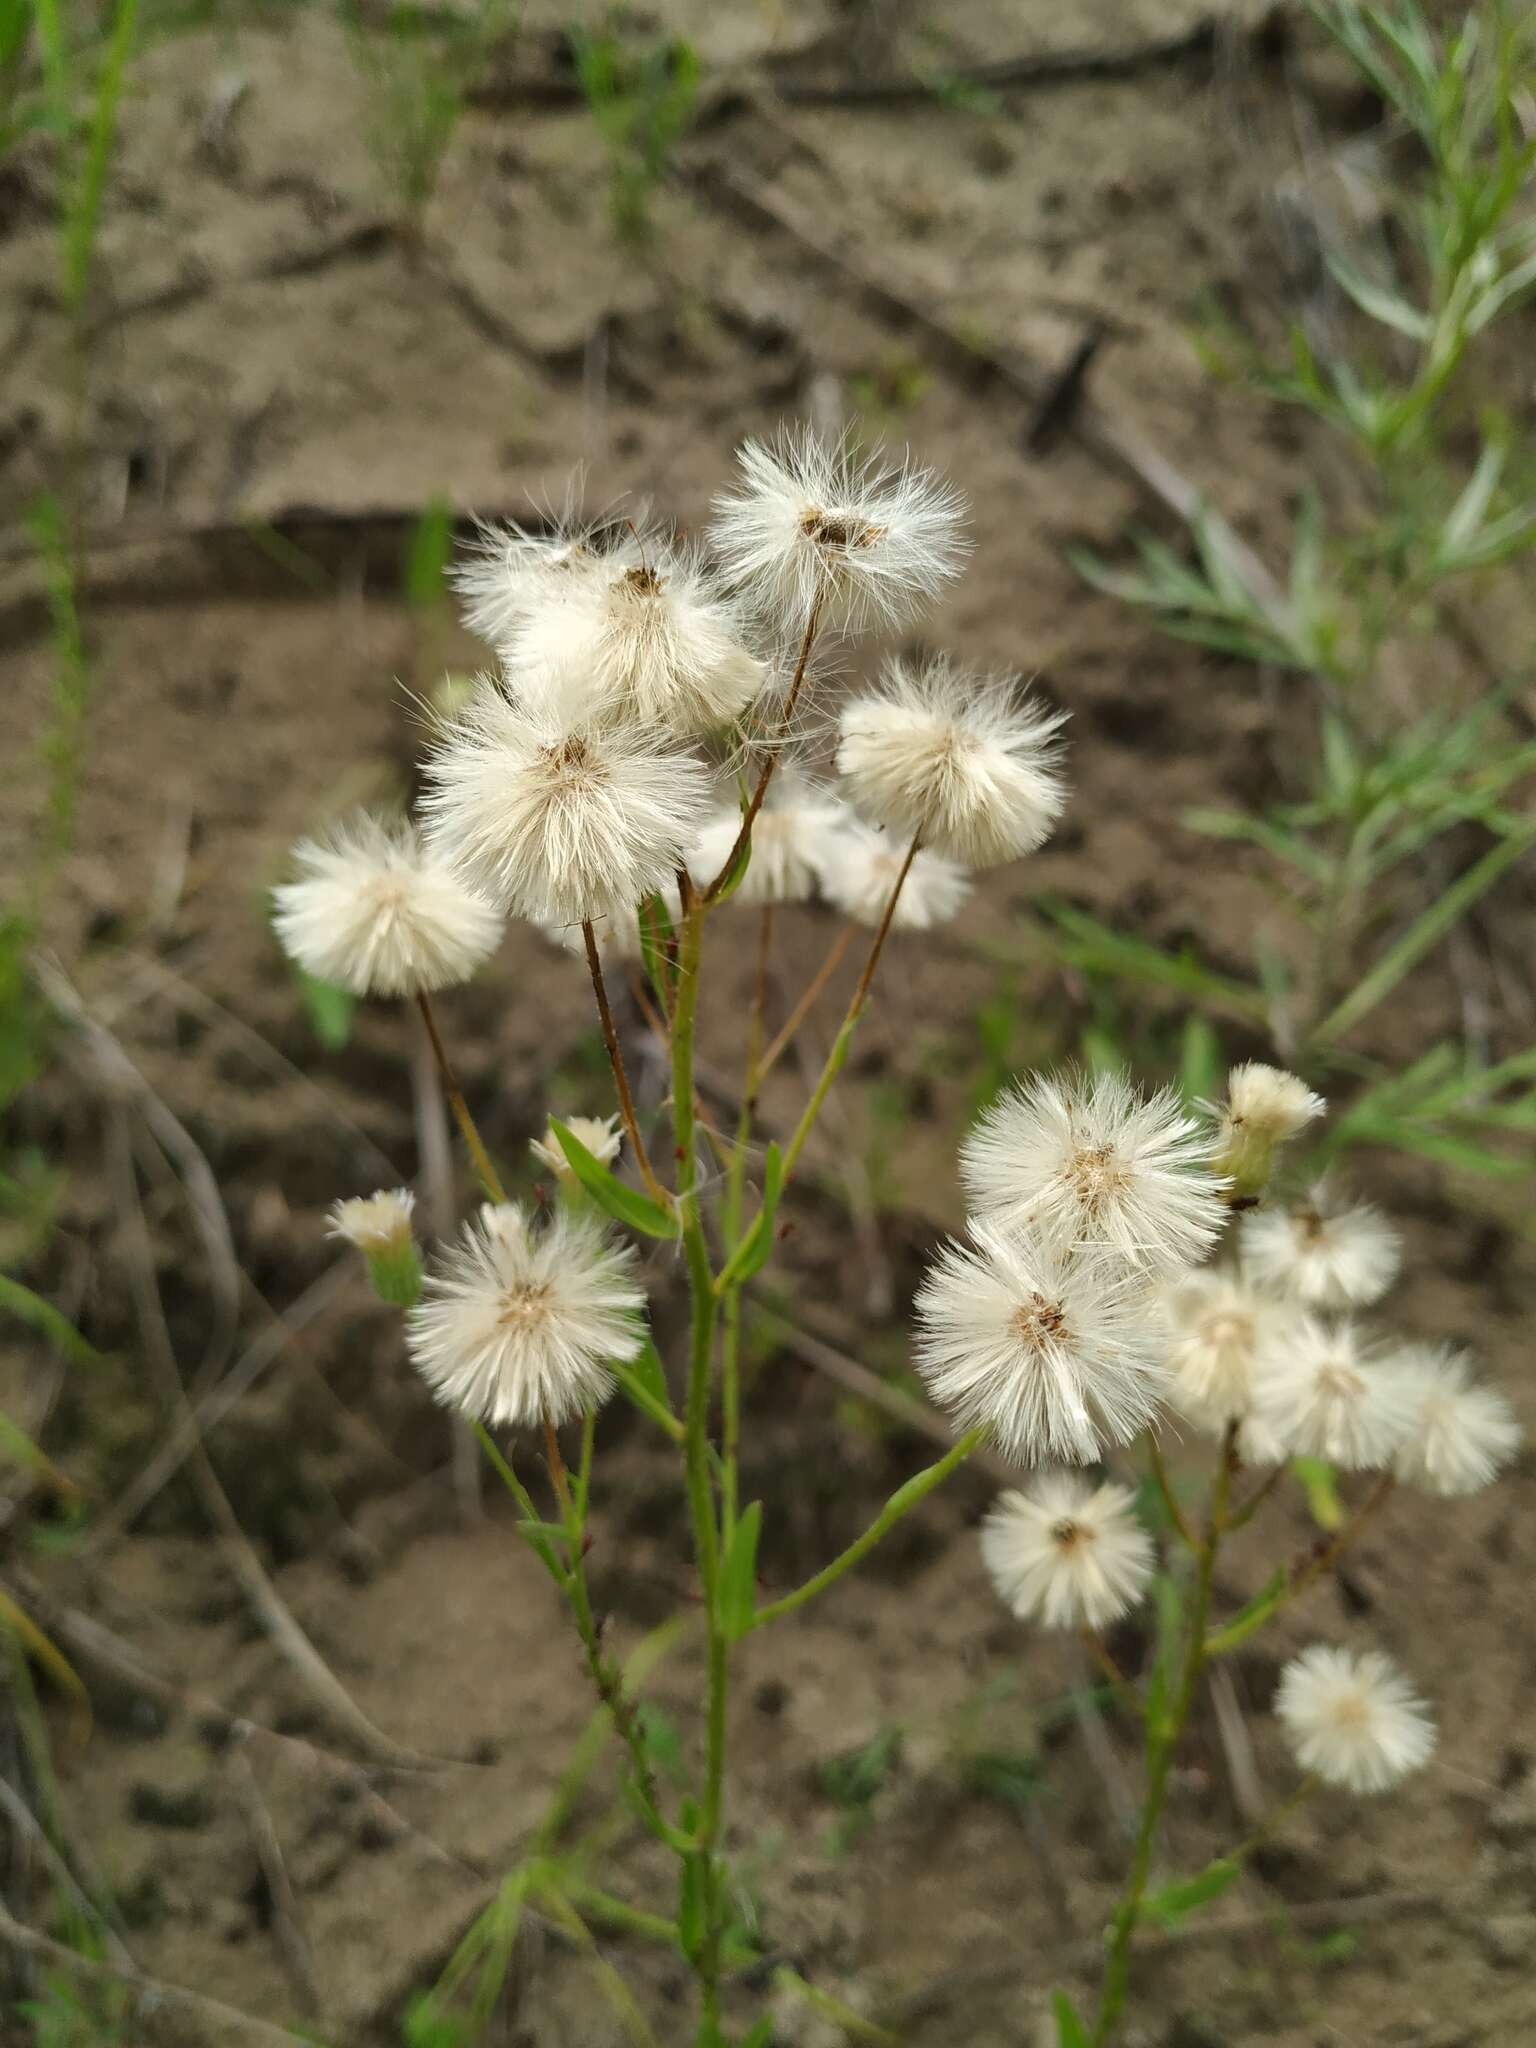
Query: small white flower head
<point x="1460" y="1435"/>
<point x="1265" y="1107"/>
<point x="1352" y="1719"/>
<point x="1067" y="1554"/>
<point x="1322" y="1252"/>
<point x="380" y="1228"/>
<point x="1324" y="1394"/>
<point x="520" y="1322"/>
<point x="968" y="763"/>
<point x="370" y="1222"/>
<point x="808" y="525"/>
<point x="561" y="823"/>
<point x="860" y="868"/>
<point x="375" y="911"/>
<point x="1090" y="1162"/>
<point x="643" y="635"/>
<point x="1058" y="1357"/>
<point x="511" y="572"/>
<point x="789" y="841"/>
<point x="1220" y="1327"/>
<point x="600" y="1135"/>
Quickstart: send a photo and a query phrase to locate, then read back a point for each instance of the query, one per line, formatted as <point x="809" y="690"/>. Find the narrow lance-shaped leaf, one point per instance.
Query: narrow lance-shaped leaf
<point x="624" y="1204"/>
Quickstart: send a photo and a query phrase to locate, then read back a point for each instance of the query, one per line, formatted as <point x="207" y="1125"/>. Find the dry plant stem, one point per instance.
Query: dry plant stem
<point x="1099" y="1650"/>
<point x="802" y="1009"/>
<point x="435" y="1155"/>
<point x="490" y="1179"/>
<point x="786" y="715"/>
<point x="1164" y="1729"/>
<point x="1165" y="1492"/>
<point x="855" y="1010"/>
<point x="149" y="1993"/>
<point x="1312" y="1568"/>
<point x="1241" y="1516"/>
<point x="616" y="1061"/>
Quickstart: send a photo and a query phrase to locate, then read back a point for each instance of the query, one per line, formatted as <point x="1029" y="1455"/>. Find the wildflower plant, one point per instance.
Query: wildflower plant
<point x="630" y="774"/>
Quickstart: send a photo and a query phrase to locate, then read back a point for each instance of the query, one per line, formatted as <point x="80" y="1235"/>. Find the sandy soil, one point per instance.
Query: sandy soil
<point x="265" y="353"/>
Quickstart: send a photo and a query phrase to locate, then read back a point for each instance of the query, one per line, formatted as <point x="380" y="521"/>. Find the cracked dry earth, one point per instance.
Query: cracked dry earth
<point x="266" y="355"/>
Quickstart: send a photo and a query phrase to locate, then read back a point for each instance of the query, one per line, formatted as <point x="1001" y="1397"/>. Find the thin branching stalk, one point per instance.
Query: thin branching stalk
<point x="616" y="1061"/>
<point x="785" y="1035"/>
<point x="760" y="791"/>
<point x="490" y="1179"/>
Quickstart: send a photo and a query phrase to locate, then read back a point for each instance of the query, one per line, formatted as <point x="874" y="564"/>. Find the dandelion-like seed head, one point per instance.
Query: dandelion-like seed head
<point x="1091" y="1163"/>
<point x="1067" y="1554"/>
<point x="378" y="913"/>
<point x="521" y="1322"/>
<point x="1057" y="1357"/>
<point x="511" y="572"/>
<point x="600" y="1135"/>
<point x="1352" y="1719"/>
<point x="1460" y="1435"/>
<point x="790" y="837"/>
<point x="561" y="822"/>
<point x="808" y="527"/>
<point x="860" y="868"/>
<point x="1265" y="1107"/>
<point x="1322" y="1252"/>
<point x="1219" y="1328"/>
<point x="644" y="635"/>
<point x="968" y="763"/>
<point x="1324" y="1393"/>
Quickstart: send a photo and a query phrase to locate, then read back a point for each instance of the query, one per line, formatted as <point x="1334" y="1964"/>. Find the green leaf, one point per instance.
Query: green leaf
<point x="426" y="562"/>
<point x="738" y="1574"/>
<point x="735" y="872"/>
<point x="1070" y="2031"/>
<point x="756" y="1246"/>
<point x="20" y="1301"/>
<point x="625" y="1204"/>
<point x="1253" y="1616"/>
<point x="1379" y="301"/>
<point x="1316" y="1477"/>
<point x="643" y="1381"/>
<point x="328" y="1008"/>
<point x="1169" y="1906"/>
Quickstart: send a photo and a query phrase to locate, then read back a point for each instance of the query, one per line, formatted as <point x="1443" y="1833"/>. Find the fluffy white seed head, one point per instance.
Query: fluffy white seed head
<point x="600" y="1135"/>
<point x="561" y="822"/>
<point x="376" y="911"/>
<point x="1352" y="1719"/>
<point x="968" y="762"/>
<point x="1090" y="1162"/>
<point x="1321" y="1252"/>
<point x="1265" y="1107"/>
<point x="810" y="525"/>
<point x="1460" y="1435"/>
<point x="790" y="835"/>
<point x="642" y="634"/>
<point x="860" y="868"/>
<point x="1057" y="1356"/>
<point x="1324" y="1393"/>
<point x="511" y="571"/>
<point x="1067" y="1554"/>
<point x="373" y="1222"/>
<point x="520" y="1322"/>
<point x="1219" y="1329"/>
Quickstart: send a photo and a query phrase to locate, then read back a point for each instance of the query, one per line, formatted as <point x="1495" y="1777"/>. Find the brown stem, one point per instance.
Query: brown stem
<point x="835" y="1058"/>
<point x="803" y="1008"/>
<point x="556" y="1462"/>
<point x="616" y="1061"/>
<point x="757" y="1025"/>
<point x="755" y="803"/>
<point x="1312" y="1567"/>
<point x="490" y="1179"/>
<point x="1250" y="1507"/>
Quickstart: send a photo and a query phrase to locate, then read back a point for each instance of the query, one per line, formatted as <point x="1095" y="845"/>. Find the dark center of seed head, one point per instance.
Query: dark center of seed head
<point x="643" y="580"/>
<point x="1038" y="1319"/>
<point x="827" y="530"/>
<point x="1068" y="1533"/>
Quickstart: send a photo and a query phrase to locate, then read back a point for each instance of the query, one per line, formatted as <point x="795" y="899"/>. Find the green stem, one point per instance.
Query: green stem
<point x="900" y="1503"/>
<point x="701" y="1502"/>
<point x="1163" y="1733"/>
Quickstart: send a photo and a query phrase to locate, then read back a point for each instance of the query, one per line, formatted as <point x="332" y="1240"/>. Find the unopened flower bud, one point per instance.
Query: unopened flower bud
<point x="380" y="1227"/>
